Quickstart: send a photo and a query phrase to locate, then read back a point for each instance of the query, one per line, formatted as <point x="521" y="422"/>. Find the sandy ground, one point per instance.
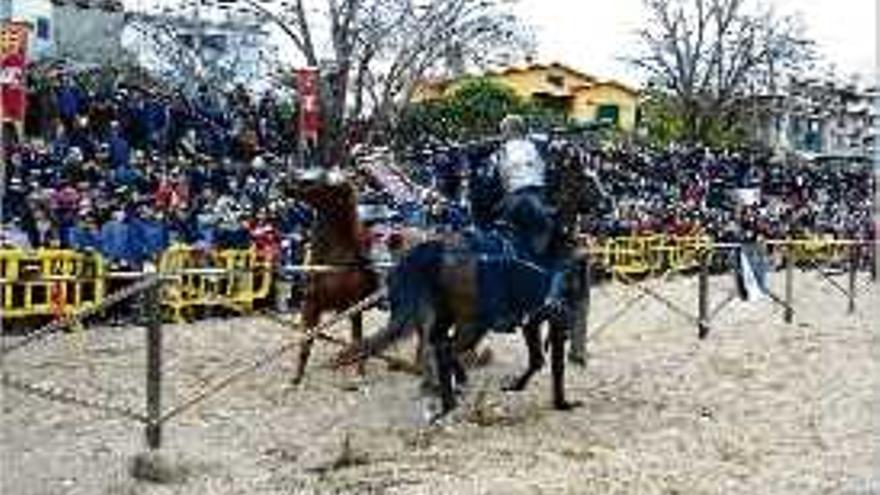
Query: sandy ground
<point x="760" y="407"/>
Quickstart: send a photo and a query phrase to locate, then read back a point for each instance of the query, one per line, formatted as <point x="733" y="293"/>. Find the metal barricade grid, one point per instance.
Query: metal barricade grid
<point x="50" y="282"/>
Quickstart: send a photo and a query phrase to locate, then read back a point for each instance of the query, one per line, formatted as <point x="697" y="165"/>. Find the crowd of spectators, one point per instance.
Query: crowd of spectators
<point x="127" y="171"/>
<point x="684" y="190"/>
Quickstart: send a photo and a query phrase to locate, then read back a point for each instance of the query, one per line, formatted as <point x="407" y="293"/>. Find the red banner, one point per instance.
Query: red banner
<point x="13" y="60"/>
<point x="309" y="109"/>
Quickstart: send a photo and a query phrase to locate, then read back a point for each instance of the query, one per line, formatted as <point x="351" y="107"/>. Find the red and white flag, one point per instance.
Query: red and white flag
<point x="13" y="61"/>
<point x="310" y="110"/>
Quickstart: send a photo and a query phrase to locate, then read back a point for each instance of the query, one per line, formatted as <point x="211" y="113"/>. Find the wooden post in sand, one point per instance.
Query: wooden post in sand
<point x="789" y="285"/>
<point x="875" y="260"/>
<point x="577" y="352"/>
<point x="703" y="301"/>
<point x="153" y="429"/>
<point x="151" y="465"/>
<point x="853" y="276"/>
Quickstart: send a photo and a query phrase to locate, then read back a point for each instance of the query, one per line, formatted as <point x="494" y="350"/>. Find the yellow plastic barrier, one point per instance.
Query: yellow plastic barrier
<point x="650" y="254"/>
<point x="249" y="279"/>
<point x="50" y="282"/>
<point x="634" y="256"/>
<point x="819" y="249"/>
<point x="684" y="252"/>
<point x="644" y="255"/>
<point x="233" y="279"/>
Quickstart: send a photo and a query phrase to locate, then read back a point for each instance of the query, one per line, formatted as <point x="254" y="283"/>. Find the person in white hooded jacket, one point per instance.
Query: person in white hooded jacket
<point x="523" y="174"/>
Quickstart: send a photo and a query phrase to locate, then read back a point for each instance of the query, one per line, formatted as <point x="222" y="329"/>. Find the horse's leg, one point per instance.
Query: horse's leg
<point x="311" y="318"/>
<point x="532" y="334"/>
<point x="466" y="340"/>
<point x="419" y="358"/>
<point x="557" y="362"/>
<point x="459" y="373"/>
<point x="444" y="357"/>
<point x="357" y="336"/>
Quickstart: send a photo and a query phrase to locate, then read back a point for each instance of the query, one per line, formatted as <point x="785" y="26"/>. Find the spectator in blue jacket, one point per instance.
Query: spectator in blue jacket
<point x="117" y="244"/>
<point x="85" y="235"/>
<point x="150" y="235"/>
<point x="69" y="100"/>
<point x="120" y="151"/>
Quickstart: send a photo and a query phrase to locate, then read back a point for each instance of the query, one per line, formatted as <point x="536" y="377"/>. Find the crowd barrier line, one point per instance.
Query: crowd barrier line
<point x="55" y="282"/>
<point x="651" y="254"/>
<point x="50" y="282"/>
<point x="233" y="279"/>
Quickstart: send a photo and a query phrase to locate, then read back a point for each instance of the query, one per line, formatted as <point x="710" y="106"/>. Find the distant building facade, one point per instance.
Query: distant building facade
<point x="820" y="119"/>
<point x="179" y="46"/>
<point x="37" y="14"/>
<point x="580" y="96"/>
<point x="88" y="30"/>
<point x="80" y="30"/>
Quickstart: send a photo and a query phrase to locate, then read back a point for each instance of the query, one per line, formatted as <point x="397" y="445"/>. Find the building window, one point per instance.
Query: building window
<point x="43" y="28"/>
<point x="813" y="137"/>
<point x="556" y="80"/>
<point x="608" y="114"/>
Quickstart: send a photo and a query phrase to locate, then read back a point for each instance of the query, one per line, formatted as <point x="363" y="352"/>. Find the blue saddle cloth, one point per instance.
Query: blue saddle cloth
<point x="510" y="285"/>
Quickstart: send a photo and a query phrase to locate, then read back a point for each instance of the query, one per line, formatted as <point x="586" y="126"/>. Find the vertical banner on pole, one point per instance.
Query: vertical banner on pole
<point x="13" y="60"/>
<point x="309" y="109"/>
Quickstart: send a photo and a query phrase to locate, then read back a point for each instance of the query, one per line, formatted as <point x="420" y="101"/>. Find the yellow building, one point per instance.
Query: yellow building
<point x="580" y="96"/>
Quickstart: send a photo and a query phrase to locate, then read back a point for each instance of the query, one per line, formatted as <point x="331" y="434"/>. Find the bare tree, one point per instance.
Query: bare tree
<point x="371" y="53"/>
<point x="377" y="50"/>
<point x="174" y="39"/>
<point x="713" y="55"/>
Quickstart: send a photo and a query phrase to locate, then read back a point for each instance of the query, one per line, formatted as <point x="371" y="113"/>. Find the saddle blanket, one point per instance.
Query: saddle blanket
<point x="509" y="285"/>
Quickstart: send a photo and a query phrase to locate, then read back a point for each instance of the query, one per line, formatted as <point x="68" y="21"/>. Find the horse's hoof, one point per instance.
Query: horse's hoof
<point x="568" y="405"/>
<point x="430" y="411"/>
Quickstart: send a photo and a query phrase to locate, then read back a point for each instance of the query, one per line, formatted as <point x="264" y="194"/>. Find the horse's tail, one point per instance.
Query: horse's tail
<point x="411" y="290"/>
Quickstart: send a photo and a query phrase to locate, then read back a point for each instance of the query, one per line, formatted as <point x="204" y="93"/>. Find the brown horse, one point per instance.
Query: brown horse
<point x="335" y="241"/>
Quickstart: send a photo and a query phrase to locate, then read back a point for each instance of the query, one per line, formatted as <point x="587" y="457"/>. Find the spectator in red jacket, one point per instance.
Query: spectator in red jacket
<point x="265" y="237"/>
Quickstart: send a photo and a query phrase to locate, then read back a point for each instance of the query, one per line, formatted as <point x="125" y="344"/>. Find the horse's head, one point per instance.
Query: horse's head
<point x="576" y="188"/>
<point x="326" y="191"/>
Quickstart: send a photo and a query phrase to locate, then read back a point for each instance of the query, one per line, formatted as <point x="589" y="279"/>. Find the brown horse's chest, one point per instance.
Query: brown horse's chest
<point x="342" y="289"/>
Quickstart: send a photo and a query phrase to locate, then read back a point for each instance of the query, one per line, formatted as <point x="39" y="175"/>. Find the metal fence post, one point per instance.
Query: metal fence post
<point x="703" y="297"/>
<point x="874" y="272"/>
<point x="153" y="430"/>
<point x="789" y="285"/>
<point x="578" y="350"/>
<point x="872" y="259"/>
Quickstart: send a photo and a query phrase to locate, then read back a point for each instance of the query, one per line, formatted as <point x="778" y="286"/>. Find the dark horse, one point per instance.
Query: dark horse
<point x="335" y="242"/>
<point x="478" y="282"/>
